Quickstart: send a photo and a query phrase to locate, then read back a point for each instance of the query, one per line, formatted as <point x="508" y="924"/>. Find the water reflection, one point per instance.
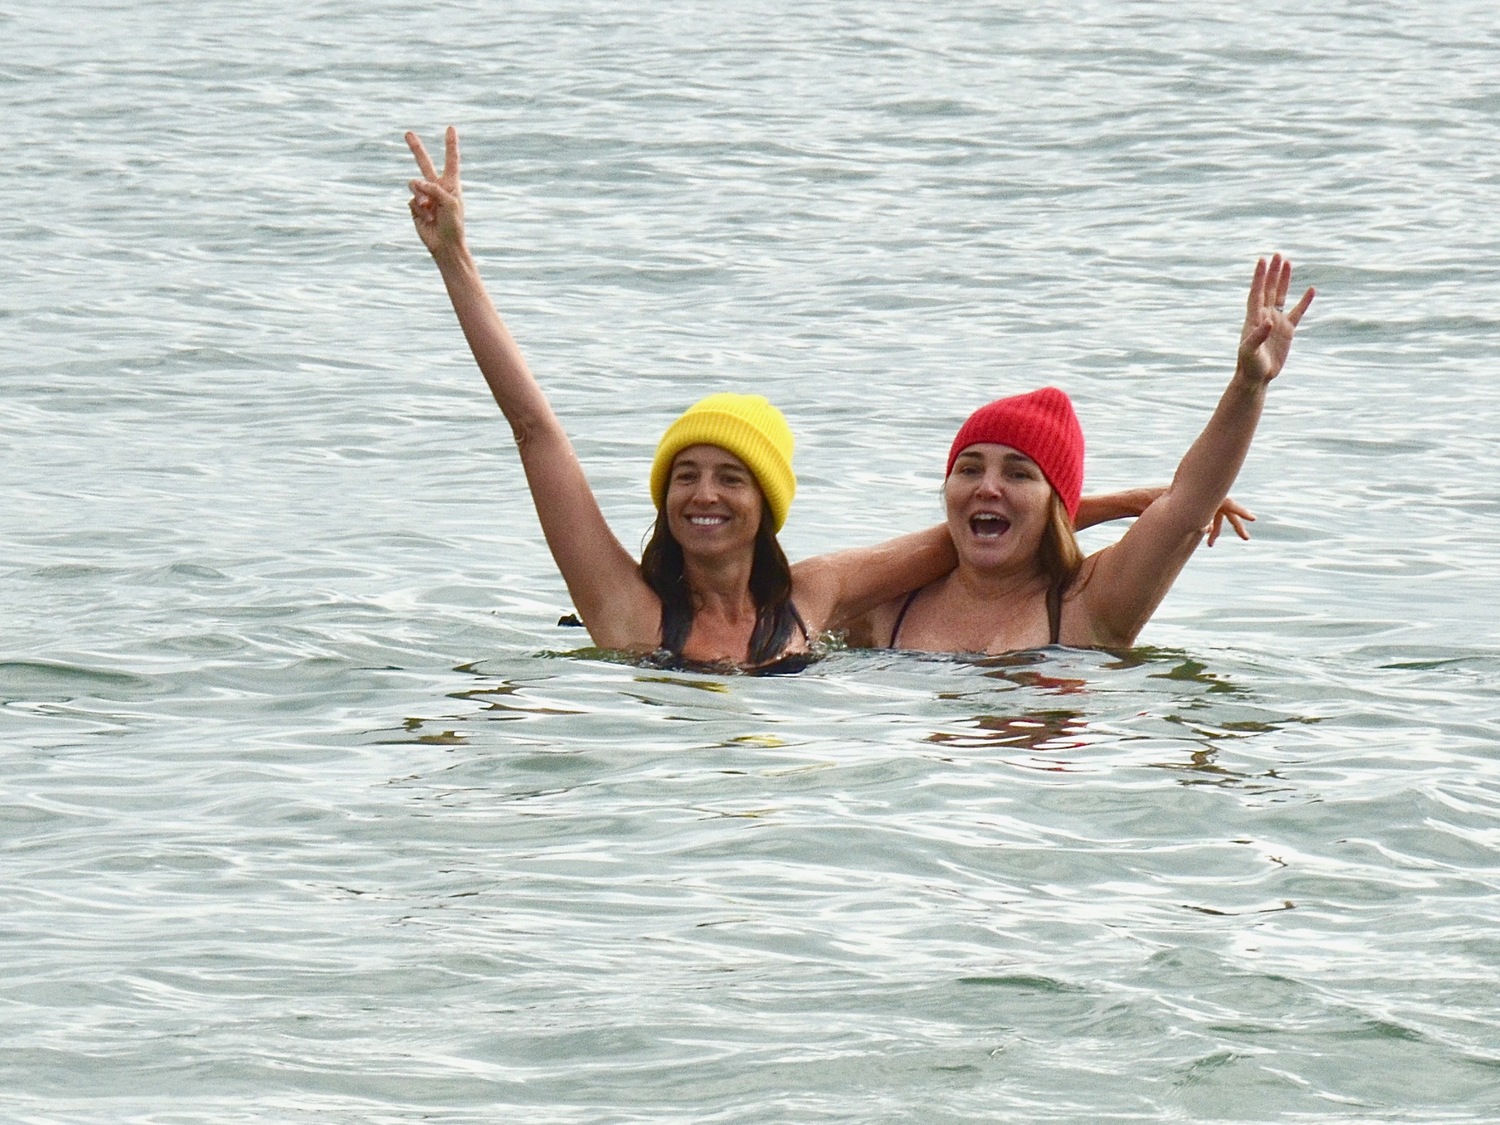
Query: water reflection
<point x="486" y="696"/>
<point x="440" y="738"/>
<point x="1067" y="700"/>
<point x="1029" y="730"/>
<point x="1019" y="668"/>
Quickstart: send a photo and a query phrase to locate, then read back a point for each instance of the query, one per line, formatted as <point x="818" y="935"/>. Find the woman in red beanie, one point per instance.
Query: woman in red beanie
<point x="1015" y="471"/>
<point x="713" y="585"/>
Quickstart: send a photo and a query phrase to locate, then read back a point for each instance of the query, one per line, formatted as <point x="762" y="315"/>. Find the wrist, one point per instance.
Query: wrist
<point x="1247" y="381"/>
<point x="453" y="255"/>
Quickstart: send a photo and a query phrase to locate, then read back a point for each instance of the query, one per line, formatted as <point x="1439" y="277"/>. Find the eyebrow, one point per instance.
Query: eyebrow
<point x="704" y="466"/>
<point x="1013" y="457"/>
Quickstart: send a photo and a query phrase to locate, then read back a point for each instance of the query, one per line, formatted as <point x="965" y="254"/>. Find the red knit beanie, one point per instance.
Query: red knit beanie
<point x="1041" y="425"/>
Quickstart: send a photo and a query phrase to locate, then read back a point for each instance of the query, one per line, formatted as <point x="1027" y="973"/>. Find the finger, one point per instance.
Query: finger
<point x="1257" y="289"/>
<point x="450" y="155"/>
<point x="1268" y="285"/>
<point x="1239" y="526"/>
<point x="1283" y="279"/>
<point x="1255" y="337"/>
<point x="1213" y="529"/>
<point x="424" y="162"/>
<point x="1273" y="279"/>
<point x="435" y="194"/>
<point x="1295" y="316"/>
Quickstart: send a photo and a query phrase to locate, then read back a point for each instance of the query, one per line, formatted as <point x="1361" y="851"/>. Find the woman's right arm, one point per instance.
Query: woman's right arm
<point x="833" y="591"/>
<point x="616" y="605"/>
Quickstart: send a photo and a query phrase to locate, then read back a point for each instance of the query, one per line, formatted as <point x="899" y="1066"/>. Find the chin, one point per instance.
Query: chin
<point x="1005" y="553"/>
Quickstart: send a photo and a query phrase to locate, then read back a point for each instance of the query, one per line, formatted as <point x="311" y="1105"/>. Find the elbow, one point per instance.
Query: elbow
<point x="531" y="434"/>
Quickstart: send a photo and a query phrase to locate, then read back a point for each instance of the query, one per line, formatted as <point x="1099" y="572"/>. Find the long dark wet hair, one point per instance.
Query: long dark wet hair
<point x="770" y="588"/>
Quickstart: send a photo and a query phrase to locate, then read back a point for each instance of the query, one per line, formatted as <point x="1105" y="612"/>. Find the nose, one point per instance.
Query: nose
<point x="705" y="488"/>
<point x="991" y="483"/>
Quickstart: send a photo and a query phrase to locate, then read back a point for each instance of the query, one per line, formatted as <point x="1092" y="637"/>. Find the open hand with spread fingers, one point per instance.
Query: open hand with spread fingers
<point x="1266" y="338"/>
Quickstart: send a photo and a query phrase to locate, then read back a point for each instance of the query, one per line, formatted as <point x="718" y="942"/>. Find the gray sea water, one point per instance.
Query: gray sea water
<point x="310" y="812"/>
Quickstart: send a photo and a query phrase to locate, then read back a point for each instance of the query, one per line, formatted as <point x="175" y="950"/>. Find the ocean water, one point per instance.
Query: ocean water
<point x="309" y="811"/>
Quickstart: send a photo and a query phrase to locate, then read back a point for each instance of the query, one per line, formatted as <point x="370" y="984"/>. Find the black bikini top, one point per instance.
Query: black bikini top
<point x="1054" y="614"/>
<point x="785" y="664"/>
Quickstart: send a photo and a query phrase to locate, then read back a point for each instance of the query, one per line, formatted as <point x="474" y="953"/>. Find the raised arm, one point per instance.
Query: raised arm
<point x="618" y="607"/>
<point x="1123" y="584"/>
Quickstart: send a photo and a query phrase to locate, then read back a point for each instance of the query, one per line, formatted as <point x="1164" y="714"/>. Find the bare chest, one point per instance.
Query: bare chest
<point x="937" y="623"/>
<point x="714" y="639"/>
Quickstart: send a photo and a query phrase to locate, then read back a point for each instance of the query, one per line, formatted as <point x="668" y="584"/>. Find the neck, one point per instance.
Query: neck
<point x="720" y="586"/>
<point x="980" y="585"/>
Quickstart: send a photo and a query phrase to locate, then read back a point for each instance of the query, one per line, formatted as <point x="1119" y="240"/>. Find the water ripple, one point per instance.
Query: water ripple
<point x="311" y="812"/>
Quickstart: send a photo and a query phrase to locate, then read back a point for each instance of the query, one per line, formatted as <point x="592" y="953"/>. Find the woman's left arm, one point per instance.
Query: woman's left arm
<point x="1124" y="583"/>
<point x="1109" y="506"/>
<point x="831" y="591"/>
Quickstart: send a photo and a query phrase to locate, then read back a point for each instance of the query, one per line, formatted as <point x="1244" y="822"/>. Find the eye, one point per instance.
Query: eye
<point x="1022" y="471"/>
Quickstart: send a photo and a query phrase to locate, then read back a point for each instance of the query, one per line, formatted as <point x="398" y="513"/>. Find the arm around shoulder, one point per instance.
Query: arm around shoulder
<point x="832" y="590"/>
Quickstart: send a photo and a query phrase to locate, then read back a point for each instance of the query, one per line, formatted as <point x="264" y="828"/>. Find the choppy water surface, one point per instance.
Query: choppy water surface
<point x="311" y="812"/>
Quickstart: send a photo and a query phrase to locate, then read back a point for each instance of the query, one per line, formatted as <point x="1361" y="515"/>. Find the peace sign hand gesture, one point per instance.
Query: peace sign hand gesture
<point x="1266" y="338"/>
<point x="437" y="201"/>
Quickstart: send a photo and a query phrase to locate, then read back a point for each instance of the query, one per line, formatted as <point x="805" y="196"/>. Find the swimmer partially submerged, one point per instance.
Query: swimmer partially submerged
<point x="1015" y="470"/>
<point x="713" y="585"/>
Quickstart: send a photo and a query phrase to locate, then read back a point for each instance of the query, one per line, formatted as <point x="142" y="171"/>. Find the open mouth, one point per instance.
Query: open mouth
<point x="987" y="525"/>
<point x="707" y="521"/>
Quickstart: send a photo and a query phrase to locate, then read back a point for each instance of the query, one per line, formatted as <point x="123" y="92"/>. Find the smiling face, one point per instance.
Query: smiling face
<point x="713" y="504"/>
<point x="998" y="503"/>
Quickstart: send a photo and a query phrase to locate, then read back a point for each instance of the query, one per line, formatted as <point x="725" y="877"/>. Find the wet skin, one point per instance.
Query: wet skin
<point x="713" y="505"/>
<point x="998" y="503"/>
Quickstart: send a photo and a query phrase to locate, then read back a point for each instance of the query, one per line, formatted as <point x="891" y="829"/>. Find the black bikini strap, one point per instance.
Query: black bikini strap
<point x="797" y="617"/>
<point x="1054" y="613"/>
<point x="900" y="617"/>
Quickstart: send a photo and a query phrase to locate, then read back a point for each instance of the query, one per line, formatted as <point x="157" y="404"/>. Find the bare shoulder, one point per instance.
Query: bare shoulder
<point x="1110" y="601"/>
<point x="874" y="628"/>
<point x="1080" y="626"/>
<point x="815" y="592"/>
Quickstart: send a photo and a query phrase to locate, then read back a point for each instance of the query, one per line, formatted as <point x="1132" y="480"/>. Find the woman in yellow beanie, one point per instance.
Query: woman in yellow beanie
<point x="713" y="584"/>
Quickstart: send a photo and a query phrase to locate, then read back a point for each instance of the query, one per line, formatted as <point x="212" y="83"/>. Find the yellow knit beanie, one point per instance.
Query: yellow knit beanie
<point x="747" y="426"/>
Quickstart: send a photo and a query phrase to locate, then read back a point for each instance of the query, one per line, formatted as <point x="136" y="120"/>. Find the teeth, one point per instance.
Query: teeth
<point x="989" y="525"/>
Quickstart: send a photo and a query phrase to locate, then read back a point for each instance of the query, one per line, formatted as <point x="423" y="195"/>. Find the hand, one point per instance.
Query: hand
<point x="1135" y="501"/>
<point x="1236" y="514"/>
<point x="437" y="201"/>
<point x="1267" y="336"/>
